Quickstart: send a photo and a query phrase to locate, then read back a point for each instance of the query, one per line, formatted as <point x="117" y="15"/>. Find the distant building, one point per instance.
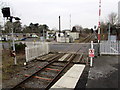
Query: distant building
<point x="67" y="36"/>
<point x="119" y="12"/>
<point x="50" y="34"/>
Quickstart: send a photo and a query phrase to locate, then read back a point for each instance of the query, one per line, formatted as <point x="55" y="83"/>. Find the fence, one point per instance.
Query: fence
<point x="33" y="52"/>
<point x="77" y="48"/>
<point x="110" y="47"/>
<point x="32" y="44"/>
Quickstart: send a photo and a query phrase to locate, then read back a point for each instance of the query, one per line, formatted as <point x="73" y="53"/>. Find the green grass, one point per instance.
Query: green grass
<point x="8" y="67"/>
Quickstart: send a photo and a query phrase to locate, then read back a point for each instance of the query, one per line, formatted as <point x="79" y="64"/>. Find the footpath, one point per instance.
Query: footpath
<point x="103" y="74"/>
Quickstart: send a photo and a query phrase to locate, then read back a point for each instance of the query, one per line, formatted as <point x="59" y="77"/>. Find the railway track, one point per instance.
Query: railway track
<point x="87" y="39"/>
<point x="47" y="75"/>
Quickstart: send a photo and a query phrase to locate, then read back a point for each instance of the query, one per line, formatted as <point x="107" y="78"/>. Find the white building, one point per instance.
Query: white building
<point x="74" y="35"/>
<point x="62" y="38"/>
<point x="119" y="12"/>
<point x="68" y="37"/>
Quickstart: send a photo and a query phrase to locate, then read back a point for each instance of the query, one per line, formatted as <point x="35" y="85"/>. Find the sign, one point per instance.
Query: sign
<point x="91" y="53"/>
<point x="13" y="54"/>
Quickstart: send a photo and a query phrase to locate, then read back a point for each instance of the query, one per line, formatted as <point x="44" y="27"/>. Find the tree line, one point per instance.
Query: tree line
<point x="38" y="28"/>
<point x="110" y="23"/>
<point x="31" y="28"/>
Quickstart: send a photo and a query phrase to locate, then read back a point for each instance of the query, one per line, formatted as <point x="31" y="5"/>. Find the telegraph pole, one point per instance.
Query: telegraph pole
<point x="70" y="21"/>
<point x="43" y="35"/>
<point x="109" y="33"/>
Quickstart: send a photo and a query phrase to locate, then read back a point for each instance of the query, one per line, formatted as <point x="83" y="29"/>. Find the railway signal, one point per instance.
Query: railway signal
<point x="6" y="14"/>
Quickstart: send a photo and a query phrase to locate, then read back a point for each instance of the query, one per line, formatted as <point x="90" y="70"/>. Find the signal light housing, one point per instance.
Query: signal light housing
<point x="6" y="12"/>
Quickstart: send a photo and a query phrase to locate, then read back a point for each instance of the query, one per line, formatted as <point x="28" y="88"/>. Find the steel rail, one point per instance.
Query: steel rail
<point x="50" y="62"/>
<point x="87" y="39"/>
<point x="31" y="76"/>
<point x="57" y="76"/>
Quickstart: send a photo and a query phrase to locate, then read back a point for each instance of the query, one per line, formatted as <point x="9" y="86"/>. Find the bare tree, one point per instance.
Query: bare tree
<point x="104" y="26"/>
<point x="78" y="28"/>
<point x="54" y="29"/>
<point x="112" y="18"/>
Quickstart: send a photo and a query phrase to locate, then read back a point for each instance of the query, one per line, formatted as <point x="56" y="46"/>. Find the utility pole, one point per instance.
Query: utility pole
<point x="43" y="35"/>
<point x="109" y="33"/>
<point x="70" y="21"/>
<point x="65" y="36"/>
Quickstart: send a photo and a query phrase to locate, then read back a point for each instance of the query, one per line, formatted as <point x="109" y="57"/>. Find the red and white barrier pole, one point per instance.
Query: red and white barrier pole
<point x="99" y="21"/>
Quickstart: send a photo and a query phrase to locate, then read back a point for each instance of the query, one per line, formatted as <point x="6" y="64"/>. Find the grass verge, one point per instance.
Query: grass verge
<point x="8" y="67"/>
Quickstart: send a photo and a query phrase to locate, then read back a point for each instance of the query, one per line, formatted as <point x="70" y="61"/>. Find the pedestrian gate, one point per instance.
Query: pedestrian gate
<point x="110" y="47"/>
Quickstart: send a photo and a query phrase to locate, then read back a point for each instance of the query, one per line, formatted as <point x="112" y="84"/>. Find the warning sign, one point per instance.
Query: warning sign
<point x="91" y="53"/>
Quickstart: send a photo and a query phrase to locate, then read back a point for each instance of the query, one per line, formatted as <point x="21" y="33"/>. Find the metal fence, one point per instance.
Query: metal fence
<point x="110" y="47"/>
<point x="33" y="52"/>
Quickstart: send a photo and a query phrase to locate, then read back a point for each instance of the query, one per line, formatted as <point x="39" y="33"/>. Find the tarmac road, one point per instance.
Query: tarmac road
<point x="104" y="73"/>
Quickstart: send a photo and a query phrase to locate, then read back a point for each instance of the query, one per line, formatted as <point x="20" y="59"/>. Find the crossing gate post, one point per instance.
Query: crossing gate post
<point x="91" y="54"/>
<point x="26" y="53"/>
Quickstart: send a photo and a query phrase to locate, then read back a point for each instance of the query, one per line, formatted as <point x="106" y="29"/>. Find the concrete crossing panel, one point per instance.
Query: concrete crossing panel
<point x="70" y="79"/>
<point x="65" y="56"/>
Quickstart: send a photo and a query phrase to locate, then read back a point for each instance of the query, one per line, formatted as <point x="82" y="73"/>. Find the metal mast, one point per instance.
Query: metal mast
<point x="70" y="21"/>
<point x="99" y="21"/>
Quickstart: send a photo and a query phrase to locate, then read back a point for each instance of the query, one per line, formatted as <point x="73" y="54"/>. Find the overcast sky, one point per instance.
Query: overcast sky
<point x="83" y="12"/>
